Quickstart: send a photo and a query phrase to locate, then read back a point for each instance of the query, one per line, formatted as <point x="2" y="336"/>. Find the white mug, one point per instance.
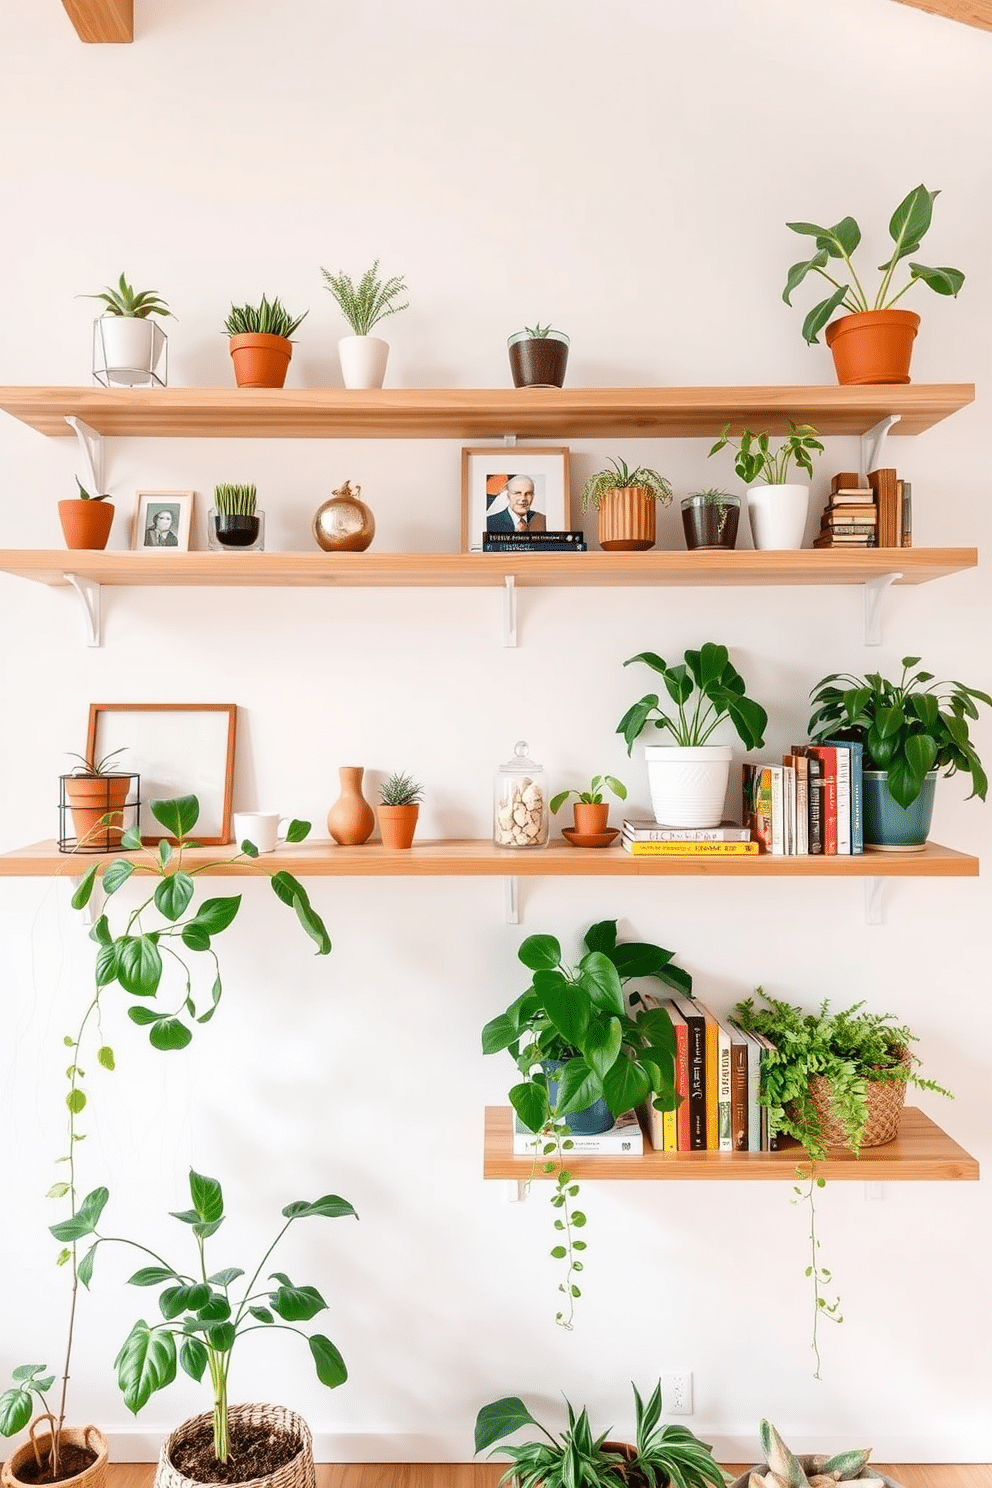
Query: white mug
<point x="263" y="828"/>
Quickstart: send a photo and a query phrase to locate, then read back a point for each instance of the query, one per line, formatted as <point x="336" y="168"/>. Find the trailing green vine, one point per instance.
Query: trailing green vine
<point x="818" y="1275"/>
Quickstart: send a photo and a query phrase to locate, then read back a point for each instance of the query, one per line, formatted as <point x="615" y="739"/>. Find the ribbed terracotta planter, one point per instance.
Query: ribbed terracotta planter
<point x="260" y="361"/>
<point x="397" y="825"/>
<point x="875" y="346"/>
<point x="627" y="521"/>
<point x="86" y="524"/>
<point x="89" y="1437"/>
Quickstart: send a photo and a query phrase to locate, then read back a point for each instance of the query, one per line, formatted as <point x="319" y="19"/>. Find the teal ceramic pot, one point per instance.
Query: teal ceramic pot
<point x="889" y="827"/>
<point x="585" y="1123"/>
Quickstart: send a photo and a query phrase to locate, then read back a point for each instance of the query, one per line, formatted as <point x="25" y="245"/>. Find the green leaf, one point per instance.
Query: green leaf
<point x="57" y="1191"/>
<point x="131" y="838"/>
<point x="601" y="1047"/>
<point x="215" y="994"/>
<point x="225" y="1277"/>
<point x="119" y="871"/>
<point x="499" y="1033"/>
<point x="143" y="1016"/>
<point x="599" y="978"/>
<point x="569" y="1007"/>
<point x="178" y="816"/>
<point x="298" y="830"/>
<point x="165" y="852"/>
<point x="84" y="1270"/>
<point x="214" y="915"/>
<point x="603" y="935"/>
<point x="76" y="1101"/>
<point x="263" y="1314"/>
<point x="194" y="1358"/>
<point x="183" y="1298"/>
<point x="578" y="1087"/>
<point x="146" y="1363"/>
<point x="207" y="1196"/>
<point x="330" y="1366"/>
<point x="105" y="1056"/>
<point x="330" y="1206"/>
<point x="82" y="895"/>
<point x="501" y="1418"/>
<point x="540" y="953"/>
<point x="151" y="1276"/>
<point x="530" y="1101"/>
<point x="85" y="1219"/>
<point x="195" y="937"/>
<point x="168" y="1033"/>
<point x="297" y="1304"/>
<point x="107" y="965"/>
<point x="173" y="895"/>
<point x="625" y="1085"/>
<point x="16" y="1408"/>
<point x="216" y="1310"/>
<point x="291" y="891"/>
<point x="139" y="965"/>
<point x="221" y="1337"/>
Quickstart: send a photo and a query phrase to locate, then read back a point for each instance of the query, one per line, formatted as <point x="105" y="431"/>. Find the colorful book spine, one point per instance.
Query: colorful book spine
<point x="843" y="760"/>
<point x="753" y="1087"/>
<point x="778" y="810"/>
<point x="696" y="1031"/>
<point x="855" y="751"/>
<point x="739" y="1053"/>
<point x="690" y="849"/>
<point x="683" y="1134"/>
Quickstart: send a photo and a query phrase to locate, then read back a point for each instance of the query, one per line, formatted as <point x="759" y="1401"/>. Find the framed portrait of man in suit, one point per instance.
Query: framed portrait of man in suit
<point x="513" y="489"/>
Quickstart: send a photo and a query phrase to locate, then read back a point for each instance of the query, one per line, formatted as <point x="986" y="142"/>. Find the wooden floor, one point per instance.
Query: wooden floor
<point x="486" y="1475"/>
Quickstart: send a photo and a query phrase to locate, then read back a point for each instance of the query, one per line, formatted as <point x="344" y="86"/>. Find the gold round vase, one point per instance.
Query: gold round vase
<point x="344" y="524"/>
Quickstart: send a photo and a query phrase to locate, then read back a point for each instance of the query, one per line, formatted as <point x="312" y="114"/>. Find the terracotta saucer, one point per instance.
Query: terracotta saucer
<point x="590" y="839"/>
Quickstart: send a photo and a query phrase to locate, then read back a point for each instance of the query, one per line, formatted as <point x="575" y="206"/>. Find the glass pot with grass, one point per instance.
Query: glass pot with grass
<point x="234" y="520"/>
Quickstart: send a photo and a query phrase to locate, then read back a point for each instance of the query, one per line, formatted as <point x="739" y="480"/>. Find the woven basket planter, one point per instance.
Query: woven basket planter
<point x="885" y="1100"/>
<point x="299" y="1473"/>
<point x="94" y="1476"/>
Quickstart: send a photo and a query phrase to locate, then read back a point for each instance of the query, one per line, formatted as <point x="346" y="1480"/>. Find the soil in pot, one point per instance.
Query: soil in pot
<point x="235" y="531"/>
<point x="257" y="1450"/>
<point x="82" y="1455"/>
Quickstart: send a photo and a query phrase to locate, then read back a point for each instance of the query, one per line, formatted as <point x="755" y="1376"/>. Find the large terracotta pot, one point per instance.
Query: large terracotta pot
<point x="397" y="825"/>
<point x="260" y="360"/>
<point x="875" y="346"/>
<point x="74" y="1440"/>
<point x="92" y="798"/>
<point x="86" y="524"/>
<point x="627" y="520"/>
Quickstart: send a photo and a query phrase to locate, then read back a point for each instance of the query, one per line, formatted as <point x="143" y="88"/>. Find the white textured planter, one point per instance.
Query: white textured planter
<point x="688" y="786"/>
<point x="128" y="351"/>
<point x="363" y="361"/>
<point x="778" y="514"/>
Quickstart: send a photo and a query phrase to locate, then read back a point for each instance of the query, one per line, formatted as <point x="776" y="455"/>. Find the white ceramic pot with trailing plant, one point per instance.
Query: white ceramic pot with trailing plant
<point x="625" y="502"/>
<point x="129" y="348"/>
<point x="363" y="357"/>
<point x="911" y="731"/>
<point x="777" y="508"/>
<point x="688" y="779"/>
<point x="872" y="343"/>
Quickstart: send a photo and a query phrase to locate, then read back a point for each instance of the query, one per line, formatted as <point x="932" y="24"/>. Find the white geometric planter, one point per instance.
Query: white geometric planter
<point x="688" y="786"/>
<point x="129" y="352"/>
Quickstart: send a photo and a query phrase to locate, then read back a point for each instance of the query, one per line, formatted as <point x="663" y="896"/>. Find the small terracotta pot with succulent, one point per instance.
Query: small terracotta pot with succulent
<point x="400" y="796"/>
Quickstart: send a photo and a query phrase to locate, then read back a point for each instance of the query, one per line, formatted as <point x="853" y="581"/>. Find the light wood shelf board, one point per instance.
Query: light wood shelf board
<point x="102" y="20"/>
<point x="921" y="1151"/>
<point x="479" y="413"/>
<point x="487" y="1474"/>
<point x="479" y="858"/>
<point x="969" y="12"/>
<point x="485" y="570"/>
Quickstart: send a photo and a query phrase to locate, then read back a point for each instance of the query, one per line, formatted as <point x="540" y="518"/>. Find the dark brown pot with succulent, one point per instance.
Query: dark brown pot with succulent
<point x="538" y="357"/>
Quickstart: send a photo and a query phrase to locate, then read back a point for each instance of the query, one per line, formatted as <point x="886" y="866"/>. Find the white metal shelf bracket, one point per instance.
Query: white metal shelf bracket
<point x="874" y="892"/>
<point x="509" y="610"/>
<point x="512" y="902"/>
<point x="875" y="592"/>
<point x="873" y="442"/>
<point x="91" y="448"/>
<point x="90" y="597"/>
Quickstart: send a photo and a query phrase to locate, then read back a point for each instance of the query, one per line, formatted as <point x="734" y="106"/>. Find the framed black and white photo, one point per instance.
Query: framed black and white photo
<point x="162" y="521"/>
<point x="513" y="489"/>
<point x="178" y="749"/>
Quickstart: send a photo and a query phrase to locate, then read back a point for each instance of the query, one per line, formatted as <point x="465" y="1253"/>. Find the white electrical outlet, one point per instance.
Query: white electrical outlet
<point x="676" y="1392"/>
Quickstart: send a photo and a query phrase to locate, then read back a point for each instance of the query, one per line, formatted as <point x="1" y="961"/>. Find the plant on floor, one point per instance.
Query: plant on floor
<point x="908" y="728"/>
<point x="576" y="1459"/>
<point x="594" y="795"/>
<point x="617" y="477"/>
<point x="400" y="790"/>
<point x="134" y="304"/>
<point x="786" y="1471"/>
<point x="908" y="226"/>
<point x="267" y="318"/>
<point x="756" y="460"/>
<point x="364" y="304"/>
<point x="719" y="693"/>
<point x="235" y="501"/>
<point x="573" y="1022"/>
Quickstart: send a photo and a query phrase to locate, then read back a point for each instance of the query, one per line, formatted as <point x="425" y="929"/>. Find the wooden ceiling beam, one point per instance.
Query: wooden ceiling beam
<point x="968" y="12"/>
<point x="102" y="20"/>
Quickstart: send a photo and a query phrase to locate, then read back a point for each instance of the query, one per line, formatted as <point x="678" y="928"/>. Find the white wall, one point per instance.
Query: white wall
<point x="624" y="171"/>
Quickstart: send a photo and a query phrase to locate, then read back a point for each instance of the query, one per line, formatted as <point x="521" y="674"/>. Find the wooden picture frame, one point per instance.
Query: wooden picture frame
<point x="162" y="521"/>
<point x="488" y="477"/>
<point x="178" y="749"/>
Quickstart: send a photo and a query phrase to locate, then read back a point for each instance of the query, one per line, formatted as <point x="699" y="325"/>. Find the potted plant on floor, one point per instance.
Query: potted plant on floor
<point x="538" y="356"/>
<point x="626" y="501"/>
<point x="234" y="518"/>
<point x="363" y="356"/>
<point x="86" y="519"/>
<point x="710" y="519"/>
<point x="129" y="349"/>
<point x="260" y="342"/>
<point x="776" y="507"/>
<point x="400" y="796"/>
<point x="873" y="343"/>
<point x="583" y="1059"/>
<point x="590" y="811"/>
<point x="780" y="1467"/>
<point x="658" y="1456"/>
<point x="911" y="731"/>
<point x="688" y="780"/>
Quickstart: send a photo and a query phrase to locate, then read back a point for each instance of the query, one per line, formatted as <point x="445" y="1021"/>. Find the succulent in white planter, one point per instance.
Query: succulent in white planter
<point x="129" y="348"/>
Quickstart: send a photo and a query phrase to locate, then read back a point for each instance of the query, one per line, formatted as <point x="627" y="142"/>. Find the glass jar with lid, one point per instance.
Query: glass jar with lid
<point x="520" y="805"/>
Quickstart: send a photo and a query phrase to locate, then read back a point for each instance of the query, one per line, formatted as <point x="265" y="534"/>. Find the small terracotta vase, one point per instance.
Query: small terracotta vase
<point x="627" y="520"/>
<point x="873" y="347"/>
<point x="351" y="819"/>
<point x="86" y="524"/>
<point x="397" y="825"/>
<point x="260" y="360"/>
<point x="591" y="820"/>
<point x="344" y="524"/>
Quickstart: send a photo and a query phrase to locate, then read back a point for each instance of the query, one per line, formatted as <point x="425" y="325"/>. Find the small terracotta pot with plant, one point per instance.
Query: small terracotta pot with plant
<point x="86" y="519"/>
<point x="591" y="812"/>
<point x="400" y="796"/>
<point x="260" y="342"/>
<point x="97" y="793"/>
<point x="625" y="501"/>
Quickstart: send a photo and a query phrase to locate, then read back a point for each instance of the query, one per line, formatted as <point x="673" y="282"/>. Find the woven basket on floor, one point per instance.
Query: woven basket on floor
<point x="885" y="1100"/>
<point x="296" y="1474"/>
<point x="94" y="1476"/>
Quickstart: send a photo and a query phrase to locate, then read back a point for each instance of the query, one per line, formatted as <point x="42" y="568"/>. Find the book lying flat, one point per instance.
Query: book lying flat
<point x="646" y="829"/>
<point x="689" y="849"/>
<point x="624" y="1138"/>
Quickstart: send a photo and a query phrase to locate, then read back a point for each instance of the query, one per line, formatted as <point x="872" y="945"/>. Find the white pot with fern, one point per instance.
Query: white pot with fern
<point x="363" y="356"/>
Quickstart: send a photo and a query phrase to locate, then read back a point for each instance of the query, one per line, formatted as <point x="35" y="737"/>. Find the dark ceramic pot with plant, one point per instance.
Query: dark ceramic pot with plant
<point x="538" y="356"/>
<point x="710" y="519"/>
<point x="234" y="519"/>
<point x="912" y="731"/>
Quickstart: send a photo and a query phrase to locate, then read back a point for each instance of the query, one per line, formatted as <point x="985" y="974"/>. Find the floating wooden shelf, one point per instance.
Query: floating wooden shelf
<point x="487" y="570"/>
<point x="479" y="413"/>
<point x="920" y="1151"/>
<point x="472" y="858"/>
<point x="102" y="20"/>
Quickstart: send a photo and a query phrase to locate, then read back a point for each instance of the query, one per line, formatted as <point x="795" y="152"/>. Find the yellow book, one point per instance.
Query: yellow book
<point x="691" y="849"/>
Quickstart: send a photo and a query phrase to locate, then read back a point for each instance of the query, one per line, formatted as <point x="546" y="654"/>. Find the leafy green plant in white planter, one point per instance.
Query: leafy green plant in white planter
<point x="688" y="780"/>
<point x="776" y="507"/>
<point x="129" y="348"/>
<point x="363" y="356"/>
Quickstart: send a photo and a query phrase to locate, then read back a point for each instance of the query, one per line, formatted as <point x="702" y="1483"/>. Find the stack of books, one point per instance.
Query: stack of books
<point x="850" y="518"/>
<point x="642" y="836"/>
<point x="810" y="803"/>
<point x="533" y="542"/>
<point x="624" y="1139"/>
<point x="718" y="1076"/>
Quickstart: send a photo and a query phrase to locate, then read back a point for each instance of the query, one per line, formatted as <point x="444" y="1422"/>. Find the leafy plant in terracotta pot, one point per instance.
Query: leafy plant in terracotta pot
<point x="96" y="792"/>
<point x="400" y="796"/>
<point x="260" y="342"/>
<point x="538" y="356"/>
<point x="86" y="519"/>
<point x="626" y="502"/>
<point x="873" y="342"/>
<point x="590" y="811"/>
<point x="776" y="507"/>
<point x="911" y="730"/>
<point x="128" y="346"/>
<point x="363" y="357"/>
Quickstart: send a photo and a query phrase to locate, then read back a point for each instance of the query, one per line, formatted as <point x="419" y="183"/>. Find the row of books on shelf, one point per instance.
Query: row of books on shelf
<point x="872" y="513"/>
<point x="811" y="803"/>
<point x="717" y="1076"/>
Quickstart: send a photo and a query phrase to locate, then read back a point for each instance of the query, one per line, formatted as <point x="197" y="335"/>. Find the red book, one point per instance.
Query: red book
<point x="827" y="755"/>
<point x="682" y="1132"/>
